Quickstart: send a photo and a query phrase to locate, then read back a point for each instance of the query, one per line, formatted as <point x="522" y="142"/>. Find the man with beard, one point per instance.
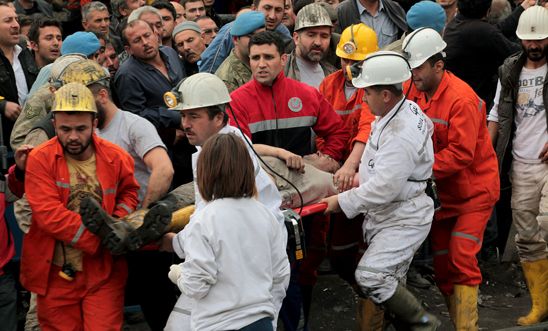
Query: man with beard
<point x="518" y="127"/>
<point x="312" y="37"/>
<point x="465" y="170"/>
<point x="45" y="36"/>
<point x="78" y="281"/>
<point x="190" y="45"/>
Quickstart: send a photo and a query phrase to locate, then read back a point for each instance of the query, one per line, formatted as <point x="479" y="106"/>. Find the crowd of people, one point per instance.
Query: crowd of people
<point x="158" y="154"/>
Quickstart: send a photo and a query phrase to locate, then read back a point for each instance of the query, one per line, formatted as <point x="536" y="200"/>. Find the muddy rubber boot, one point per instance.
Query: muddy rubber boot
<point x="370" y="317"/>
<point x="154" y="224"/>
<point x="465" y="300"/>
<point x="408" y="310"/>
<point x="536" y="275"/>
<point x="112" y="231"/>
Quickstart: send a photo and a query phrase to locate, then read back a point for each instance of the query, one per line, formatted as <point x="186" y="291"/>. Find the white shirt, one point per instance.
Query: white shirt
<point x="530" y="116"/>
<point x="20" y="80"/>
<point x="235" y="264"/>
<point x="399" y="148"/>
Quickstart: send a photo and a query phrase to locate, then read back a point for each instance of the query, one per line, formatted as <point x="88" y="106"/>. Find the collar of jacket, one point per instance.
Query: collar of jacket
<point x="279" y="80"/>
<point x="97" y="144"/>
<point x="515" y="68"/>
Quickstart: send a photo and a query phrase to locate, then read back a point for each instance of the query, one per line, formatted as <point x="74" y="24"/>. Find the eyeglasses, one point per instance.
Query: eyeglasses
<point x="210" y="31"/>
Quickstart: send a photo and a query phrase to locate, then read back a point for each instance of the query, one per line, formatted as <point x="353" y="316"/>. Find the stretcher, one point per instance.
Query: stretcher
<point x="295" y="230"/>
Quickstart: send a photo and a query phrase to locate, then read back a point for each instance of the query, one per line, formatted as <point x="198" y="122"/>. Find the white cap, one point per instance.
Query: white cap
<point x="422" y="44"/>
<point x="533" y="24"/>
<point x="383" y="68"/>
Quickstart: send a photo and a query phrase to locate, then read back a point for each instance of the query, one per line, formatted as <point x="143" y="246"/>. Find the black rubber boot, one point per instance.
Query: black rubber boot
<point x="408" y="310"/>
<point x="155" y="224"/>
<point x="112" y="232"/>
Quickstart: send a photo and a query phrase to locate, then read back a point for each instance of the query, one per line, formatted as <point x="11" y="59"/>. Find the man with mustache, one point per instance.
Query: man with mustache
<point x="312" y="37"/>
<point x="190" y="44"/>
<point x="45" y="36"/>
<point x="18" y="70"/>
<point x="518" y="128"/>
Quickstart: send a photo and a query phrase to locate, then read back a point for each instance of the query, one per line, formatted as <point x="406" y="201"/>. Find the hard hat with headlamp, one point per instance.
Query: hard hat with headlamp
<point x="197" y="91"/>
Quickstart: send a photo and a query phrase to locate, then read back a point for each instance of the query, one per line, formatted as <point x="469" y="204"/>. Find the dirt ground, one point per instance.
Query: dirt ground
<point x="503" y="298"/>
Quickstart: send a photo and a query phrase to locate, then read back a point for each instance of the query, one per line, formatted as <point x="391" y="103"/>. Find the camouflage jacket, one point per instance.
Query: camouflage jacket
<point x="36" y="108"/>
<point x="234" y="72"/>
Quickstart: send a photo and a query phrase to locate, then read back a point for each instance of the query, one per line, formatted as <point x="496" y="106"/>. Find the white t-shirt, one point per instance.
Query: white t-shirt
<point x="530" y="118"/>
<point x="311" y="74"/>
<point x="20" y="80"/>
<point x="137" y="136"/>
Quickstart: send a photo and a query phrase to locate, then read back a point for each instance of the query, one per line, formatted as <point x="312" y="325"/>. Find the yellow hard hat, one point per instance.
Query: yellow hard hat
<point x="74" y="97"/>
<point x="356" y="42"/>
<point x="84" y="72"/>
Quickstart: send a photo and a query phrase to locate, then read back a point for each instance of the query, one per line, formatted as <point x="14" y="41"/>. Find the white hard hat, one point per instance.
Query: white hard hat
<point x="533" y="24"/>
<point x="312" y="15"/>
<point x="198" y="91"/>
<point x="383" y="68"/>
<point x="422" y="44"/>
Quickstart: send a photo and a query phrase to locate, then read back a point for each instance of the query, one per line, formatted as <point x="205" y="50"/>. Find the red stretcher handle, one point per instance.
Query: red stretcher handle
<point x="312" y="209"/>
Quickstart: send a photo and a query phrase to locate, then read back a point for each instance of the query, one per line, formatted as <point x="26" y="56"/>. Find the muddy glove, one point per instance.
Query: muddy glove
<point x="174" y="273"/>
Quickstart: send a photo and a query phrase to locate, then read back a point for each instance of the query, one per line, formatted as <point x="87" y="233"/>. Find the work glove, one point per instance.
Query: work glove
<point x="174" y="273"/>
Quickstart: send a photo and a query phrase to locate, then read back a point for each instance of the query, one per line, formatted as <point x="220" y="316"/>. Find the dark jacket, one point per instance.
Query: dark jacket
<point x="140" y="88"/>
<point x="509" y="80"/>
<point x="348" y="14"/>
<point x="8" y="87"/>
<point x="40" y="7"/>
<point x="475" y="49"/>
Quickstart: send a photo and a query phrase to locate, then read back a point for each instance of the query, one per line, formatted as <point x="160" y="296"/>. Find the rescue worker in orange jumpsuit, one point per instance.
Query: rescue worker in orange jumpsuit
<point x="346" y="240"/>
<point x="80" y="284"/>
<point x="465" y="171"/>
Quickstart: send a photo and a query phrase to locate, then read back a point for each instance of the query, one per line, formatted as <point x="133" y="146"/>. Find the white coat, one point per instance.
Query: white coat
<point x="268" y="195"/>
<point x="398" y="213"/>
<point x="235" y="264"/>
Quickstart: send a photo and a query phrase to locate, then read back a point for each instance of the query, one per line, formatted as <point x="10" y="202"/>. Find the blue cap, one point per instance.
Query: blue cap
<point x="80" y="42"/>
<point x="247" y="22"/>
<point x="426" y="14"/>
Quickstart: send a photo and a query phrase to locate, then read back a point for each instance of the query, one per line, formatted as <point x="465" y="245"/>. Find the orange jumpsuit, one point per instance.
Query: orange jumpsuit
<point x="346" y="235"/>
<point x="466" y="173"/>
<point x="94" y="299"/>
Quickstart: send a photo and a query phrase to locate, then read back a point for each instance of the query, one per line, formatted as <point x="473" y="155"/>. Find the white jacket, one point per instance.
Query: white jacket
<point x="235" y="264"/>
<point x="399" y="152"/>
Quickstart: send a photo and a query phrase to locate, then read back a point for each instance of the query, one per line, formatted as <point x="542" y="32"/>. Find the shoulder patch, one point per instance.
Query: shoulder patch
<point x="31" y="112"/>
